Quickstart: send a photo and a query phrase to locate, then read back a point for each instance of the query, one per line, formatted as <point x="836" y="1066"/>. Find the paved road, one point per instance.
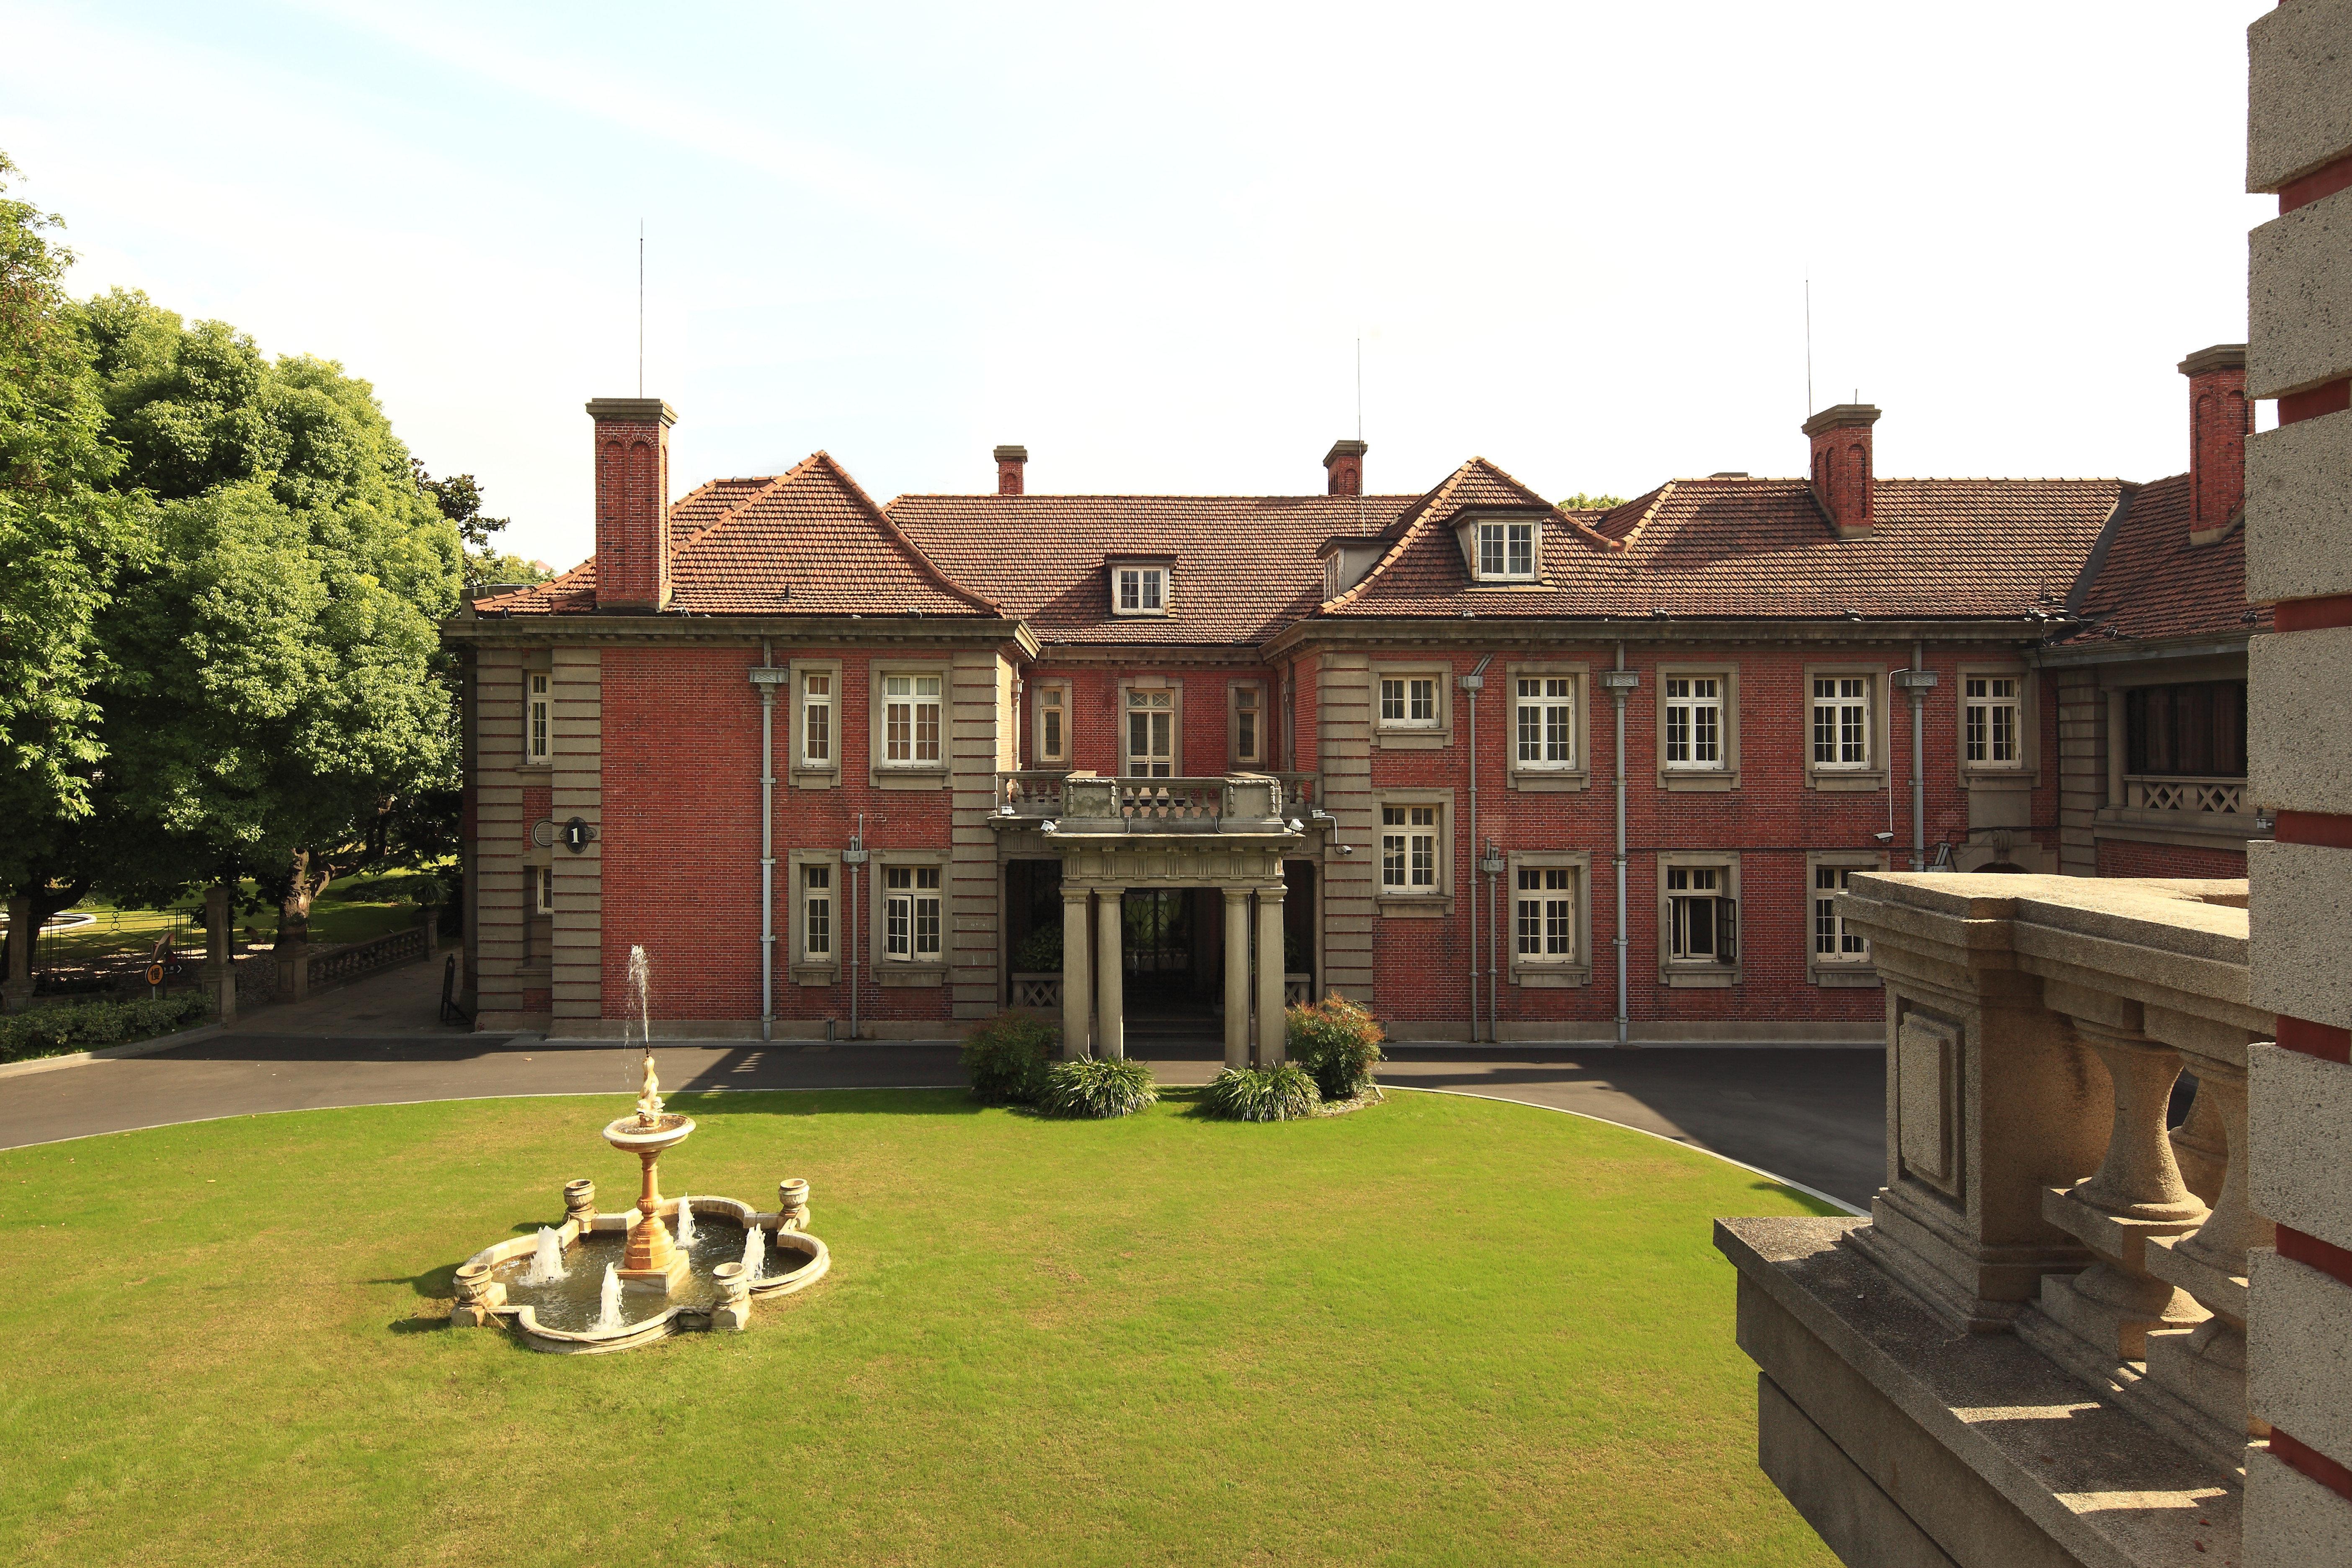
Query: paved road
<point x="1813" y="1116"/>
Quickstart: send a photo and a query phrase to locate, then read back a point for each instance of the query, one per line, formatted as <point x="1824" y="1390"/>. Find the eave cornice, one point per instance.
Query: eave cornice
<point x="1486" y="630"/>
<point x="851" y="631"/>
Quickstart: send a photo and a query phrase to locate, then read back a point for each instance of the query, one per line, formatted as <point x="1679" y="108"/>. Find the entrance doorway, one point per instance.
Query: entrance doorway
<point x="1173" y="974"/>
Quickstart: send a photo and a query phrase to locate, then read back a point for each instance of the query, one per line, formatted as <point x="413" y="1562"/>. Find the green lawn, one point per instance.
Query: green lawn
<point x="350" y="911"/>
<point x="1440" y="1331"/>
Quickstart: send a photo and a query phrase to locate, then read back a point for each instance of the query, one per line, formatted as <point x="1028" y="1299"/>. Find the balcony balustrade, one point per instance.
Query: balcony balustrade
<point x="2151" y="792"/>
<point x="1082" y="803"/>
<point x="2035" y="1349"/>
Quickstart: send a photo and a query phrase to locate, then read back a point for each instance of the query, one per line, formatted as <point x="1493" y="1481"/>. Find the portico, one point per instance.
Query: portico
<point x="1117" y="835"/>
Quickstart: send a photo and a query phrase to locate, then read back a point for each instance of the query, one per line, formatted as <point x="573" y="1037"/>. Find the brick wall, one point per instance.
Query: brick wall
<point x="2118" y="858"/>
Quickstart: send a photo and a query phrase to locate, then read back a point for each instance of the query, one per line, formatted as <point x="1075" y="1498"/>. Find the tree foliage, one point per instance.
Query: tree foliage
<point x="220" y="579"/>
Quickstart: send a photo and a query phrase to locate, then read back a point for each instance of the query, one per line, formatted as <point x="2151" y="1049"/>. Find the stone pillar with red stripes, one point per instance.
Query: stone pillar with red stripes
<point x="2299" y="561"/>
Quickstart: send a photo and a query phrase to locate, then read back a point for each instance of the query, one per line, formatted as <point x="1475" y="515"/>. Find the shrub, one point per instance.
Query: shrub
<point x="1040" y="951"/>
<point x="87" y="1025"/>
<point x="1337" y="1041"/>
<point x="1093" y="1086"/>
<point x="1007" y="1058"/>
<point x="1281" y="1093"/>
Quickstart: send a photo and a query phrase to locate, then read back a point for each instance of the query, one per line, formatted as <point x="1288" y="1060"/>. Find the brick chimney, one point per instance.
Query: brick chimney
<point x="632" y="503"/>
<point x="1010" y="461"/>
<point x="2219" y="418"/>
<point x="1842" y="467"/>
<point x="1343" y="469"/>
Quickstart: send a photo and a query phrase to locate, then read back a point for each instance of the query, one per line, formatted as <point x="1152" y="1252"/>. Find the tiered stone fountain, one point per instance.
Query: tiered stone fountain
<point x="615" y="1281"/>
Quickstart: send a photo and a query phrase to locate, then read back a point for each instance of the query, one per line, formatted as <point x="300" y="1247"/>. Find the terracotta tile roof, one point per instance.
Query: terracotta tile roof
<point x="1762" y="549"/>
<point x="1245" y="565"/>
<point x="2152" y="584"/>
<point x="807" y="543"/>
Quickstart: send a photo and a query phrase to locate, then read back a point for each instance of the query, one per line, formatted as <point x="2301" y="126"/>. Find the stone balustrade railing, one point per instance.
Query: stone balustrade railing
<point x="2086" y="1262"/>
<point x="1090" y="803"/>
<point x="2150" y="792"/>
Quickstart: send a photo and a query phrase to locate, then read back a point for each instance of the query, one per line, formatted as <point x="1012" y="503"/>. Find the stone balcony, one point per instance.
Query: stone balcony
<point x="1092" y="803"/>
<point x="2035" y="1349"/>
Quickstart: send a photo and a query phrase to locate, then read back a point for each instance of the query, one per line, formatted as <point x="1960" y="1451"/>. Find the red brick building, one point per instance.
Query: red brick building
<point x="1504" y="771"/>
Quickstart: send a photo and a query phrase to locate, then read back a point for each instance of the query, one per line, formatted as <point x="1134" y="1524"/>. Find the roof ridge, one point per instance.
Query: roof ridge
<point x="1430" y="502"/>
<point x="1656" y="497"/>
<point x="898" y="536"/>
<point x="728" y="514"/>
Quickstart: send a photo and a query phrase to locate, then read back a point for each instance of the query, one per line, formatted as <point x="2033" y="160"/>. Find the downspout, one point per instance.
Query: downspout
<point x="1474" y="683"/>
<point x="855" y="858"/>
<point x="1622" y="681"/>
<point x="767" y="843"/>
<point x="1919" y="754"/>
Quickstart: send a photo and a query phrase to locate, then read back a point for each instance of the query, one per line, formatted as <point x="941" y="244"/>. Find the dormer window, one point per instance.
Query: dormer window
<point x="1507" y="551"/>
<point x="1139" y="590"/>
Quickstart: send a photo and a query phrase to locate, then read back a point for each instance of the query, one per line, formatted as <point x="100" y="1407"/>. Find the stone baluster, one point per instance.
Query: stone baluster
<point x="580" y="1204"/>
<point x="2200" y="1145"/>
<point x="478" y="1297"/>
<point x="734" y="1308"/>
<point x="791" y="1204"/>
<point x="2110" y="1308"/>
<point x="2204" y="1368"/>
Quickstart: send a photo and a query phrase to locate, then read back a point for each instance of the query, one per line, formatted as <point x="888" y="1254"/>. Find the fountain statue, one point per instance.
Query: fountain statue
<point x="604" y="1282"/>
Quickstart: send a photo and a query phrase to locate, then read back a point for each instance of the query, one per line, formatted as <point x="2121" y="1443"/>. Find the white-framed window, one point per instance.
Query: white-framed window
<point x="1841" y="721"/>
<point x="1331" y="576"/>
<point x="1693" y="716"/>
<point x="911" y="719"/>
<point x="1506" y="549"/>
<point x="1408" y="701"/>
<point x="911" y="913"/>
<point x="1053" y="748"/>
<point x="1139" y="590"/>
<point x="1993" y="712"/>
<point x="542" y="890"/>
<point x="1543" y="915"/>
<point x="1151" y="732"/>
<point x="816" y="717"/>
<point x="1833" y="943"/>
<point x="1544" y="721"/>
<point x="816" y="912"/>
<point x="1249" y="725"/>
<point x="1408" y="849"/>
<point x="1703" y="915"/>
<point x="538" y="722"/>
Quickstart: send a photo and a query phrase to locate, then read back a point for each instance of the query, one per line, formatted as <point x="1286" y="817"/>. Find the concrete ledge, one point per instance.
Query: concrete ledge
<point x="1997" y="1457"/>
<point x="2303" y="899"/>
<point x="2291" y="1519"/>
<point x="2299" y="1353"/>
<point x="1845" y="1508"/>
<point x="2299" y="69"/>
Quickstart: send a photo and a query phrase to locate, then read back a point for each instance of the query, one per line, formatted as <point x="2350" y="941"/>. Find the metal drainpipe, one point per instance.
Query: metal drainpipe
<point x="767" y="843"/>
<point x="1918" y="765"/>
<point x="1474" y="683"/>
<point x="855" y="858"/>
<point x="1617" y="689"/>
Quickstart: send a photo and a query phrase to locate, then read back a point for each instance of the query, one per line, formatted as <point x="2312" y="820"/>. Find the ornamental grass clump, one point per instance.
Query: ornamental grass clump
<point x="1095" y="1087"/>
<point x="1283" y="1092"/>
<point x="1008" y="1058"/>
<point x="1338" y="1041"/>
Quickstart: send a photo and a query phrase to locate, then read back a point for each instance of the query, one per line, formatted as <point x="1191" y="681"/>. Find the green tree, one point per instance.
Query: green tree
<point x="1583" y="502"/>
<point x="64" y="534"/>
<point x="280" y="704"/>
<point x="459" y="496"/>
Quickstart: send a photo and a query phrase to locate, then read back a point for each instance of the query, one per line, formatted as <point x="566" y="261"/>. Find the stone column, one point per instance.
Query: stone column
<point x="18" y="988"/>
<point x="1110" y="932"/>
<point x="1237" y="972"/>
<point x="1269" y="977"/>
<point x="1077" y="991"/>
<point x="2136" y="1194"/>
<point x="220" y="951"/>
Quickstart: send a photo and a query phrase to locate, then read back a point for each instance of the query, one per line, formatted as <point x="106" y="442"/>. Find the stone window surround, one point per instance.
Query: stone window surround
<point x="1537" y="780"/>
<point x="1704" y="780"/>
<point x="909" y="970"/>
<point x="1407" y="904"/>
<point x="1469" y="529"/>
<point x="1404" y="735"/>
<point x="1834" y="973"/>
<point x="908" y="774"/>
<point x="805" y="970"/>
<point x="2024" y="773"/>
<point x="1682" y="973"/>
<point x="1538" y="973"/>
<point x="799" y="772"/>
<point x="537" y="661"/>
<point x="1872" y="777"/>
<point x="1175" y="723"/>
<point x="1233" y="724"/>
<point x="1036" y="703"/>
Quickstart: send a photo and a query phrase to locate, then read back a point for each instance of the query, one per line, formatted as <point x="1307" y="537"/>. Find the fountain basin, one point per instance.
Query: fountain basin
<point x="635" y="1135"/>
<point x="559" y="1318"/>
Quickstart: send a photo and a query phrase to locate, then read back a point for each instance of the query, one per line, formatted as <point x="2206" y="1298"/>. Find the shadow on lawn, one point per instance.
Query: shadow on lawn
<point x="706" y="1106"/>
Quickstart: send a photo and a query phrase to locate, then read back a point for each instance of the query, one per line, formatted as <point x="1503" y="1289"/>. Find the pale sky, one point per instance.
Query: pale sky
<point x="1574" y="238"/>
